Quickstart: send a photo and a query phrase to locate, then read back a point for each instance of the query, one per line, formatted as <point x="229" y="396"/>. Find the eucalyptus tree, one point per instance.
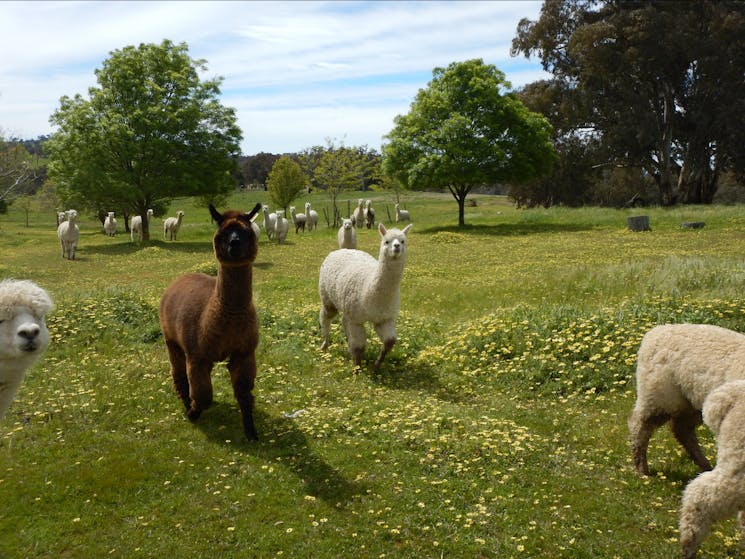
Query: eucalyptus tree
<point x="151" y="130"/>
<point x="464" y="130"/>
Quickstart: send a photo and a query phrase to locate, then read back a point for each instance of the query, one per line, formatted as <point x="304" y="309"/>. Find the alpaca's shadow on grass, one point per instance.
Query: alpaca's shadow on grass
<point x="509" y="229"/>
<point x="280" y="443"/>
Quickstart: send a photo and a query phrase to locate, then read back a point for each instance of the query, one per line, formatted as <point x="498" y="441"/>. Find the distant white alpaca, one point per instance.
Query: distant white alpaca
<point x="172" y="225"/>
<point x="364" y="290"/>
<point x="369" y="214"/>
<point x="283" y="226"/>
<point x="402" y="215"/>
<point x="61" y="216"/>
<point x="346" y="235"/>
<point x="109" y="225"/>
<point x="135" y="228"/>
<point x="270" y="222"/>
<point x="297" y="219"/>
<point x="68" y="234"/>
<point x="358" y="215"/>
<point x="311" y="217"/>
<point x="23" y="333"/>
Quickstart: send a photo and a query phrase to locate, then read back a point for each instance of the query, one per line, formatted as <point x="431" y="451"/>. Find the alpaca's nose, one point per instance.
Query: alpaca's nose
<point x="29" y="331"/>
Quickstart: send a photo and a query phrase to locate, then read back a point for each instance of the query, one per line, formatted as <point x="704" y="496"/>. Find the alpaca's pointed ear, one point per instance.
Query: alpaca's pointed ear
<point x="253" y="212"/>
<point x="217" y="216"/>
<point x="406" y="229"/>
<point x="382" y="229"/>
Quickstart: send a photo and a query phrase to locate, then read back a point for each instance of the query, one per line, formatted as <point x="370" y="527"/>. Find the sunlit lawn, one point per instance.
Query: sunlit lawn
<point x="496" y="428"/>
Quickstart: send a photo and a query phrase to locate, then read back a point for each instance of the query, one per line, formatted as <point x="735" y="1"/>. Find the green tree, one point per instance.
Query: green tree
<point x="151" y="130"/>
<point x="339" y="168"/>
<point x="17" y="170"/>
<point x="285" y="181"/>
<point x="462" y="131"/>
<point x="662" y="81"/>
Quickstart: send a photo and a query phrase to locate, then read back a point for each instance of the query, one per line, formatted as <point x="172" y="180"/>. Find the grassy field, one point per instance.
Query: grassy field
<point x="495" y="429"/>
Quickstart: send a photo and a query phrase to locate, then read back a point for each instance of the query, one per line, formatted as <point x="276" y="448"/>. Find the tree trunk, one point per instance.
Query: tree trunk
<point x="460" y="193"/>
<point x="699" y="177"/>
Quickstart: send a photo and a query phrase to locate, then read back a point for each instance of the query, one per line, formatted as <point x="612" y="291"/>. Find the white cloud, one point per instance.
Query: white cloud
<point x="297" y="72"/>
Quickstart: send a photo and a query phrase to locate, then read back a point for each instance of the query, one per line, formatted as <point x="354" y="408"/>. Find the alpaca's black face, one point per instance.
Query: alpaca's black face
<point x="235" y="240"/>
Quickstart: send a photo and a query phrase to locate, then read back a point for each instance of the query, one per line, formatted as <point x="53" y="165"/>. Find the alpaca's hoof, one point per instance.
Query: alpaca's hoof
<point x="324" y="345"/>
<point x="193" y="414"/>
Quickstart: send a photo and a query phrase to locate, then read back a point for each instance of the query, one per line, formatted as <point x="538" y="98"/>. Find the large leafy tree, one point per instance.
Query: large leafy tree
<point x="285" y="181"/>
<point x="463" y="131"/>
<point x="663" y="83"/>
<point x="151" y="130"/>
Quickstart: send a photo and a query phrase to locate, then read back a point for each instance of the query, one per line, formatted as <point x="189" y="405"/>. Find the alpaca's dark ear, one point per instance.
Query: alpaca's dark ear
<point x="253" y="212"/>
<point x="217" y="216"/>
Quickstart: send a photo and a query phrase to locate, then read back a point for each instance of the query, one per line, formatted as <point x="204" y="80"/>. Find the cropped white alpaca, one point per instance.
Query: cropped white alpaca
<point x="358" y="215"/>
<point x="364" y="290"/>
<point x="402" y="215"/>
<point x="346" y="235"/>
<point x="109" y="225"/>
<point x="172" y="225"/>
<point x="135" y="228"/>
<point x="678" y="365"/>
<point x="68" y="234"/>
<point x="720" y="493"/>
<point x="283" y="226"/>
<point x="297" y="219"/>
<point x="23" y="334"/>
<point x="311" y="217"/>
<point x="270" y="222"/>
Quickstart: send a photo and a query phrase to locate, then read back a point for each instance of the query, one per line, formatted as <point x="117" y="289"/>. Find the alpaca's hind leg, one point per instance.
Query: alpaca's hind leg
<point x="325" y="317"/>
<point x="641" y="428"/>
<point x="387" y="333"/>
<point x="178" y="372"/>
<point x="200" y="388"/>
<point x="242" y="375"/>
<point x="684" y="429"/>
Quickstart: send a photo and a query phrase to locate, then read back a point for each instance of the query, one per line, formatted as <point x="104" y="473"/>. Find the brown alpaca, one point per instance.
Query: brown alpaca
<point x="206" y="319"/>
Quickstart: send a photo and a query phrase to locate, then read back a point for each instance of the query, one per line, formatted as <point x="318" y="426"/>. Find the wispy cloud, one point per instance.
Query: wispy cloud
<point x="296" y="72"/>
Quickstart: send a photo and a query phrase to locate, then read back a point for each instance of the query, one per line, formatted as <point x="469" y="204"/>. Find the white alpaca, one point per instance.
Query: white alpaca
<point x="369" y="214"/>
<point x="23" y="333"/>
<point x="364" y="290"/>
<point x="346" y="235"/>
<point x="358" y="215"/>
<point x="172" y="225"/>
<point x="678" y="365"/>
<point x="270" y="222"/>
<point x="68" y="234"/>
<point x="61" y="216"/>
<point x="135" y="227"/>
<point x="311" y="217"/>
<point x="720" y="493"/>
<point x="283" y="226"/>
<point x="402" y="215"/>
<point x="297" y="219"/>
<point x="109" y="225"/>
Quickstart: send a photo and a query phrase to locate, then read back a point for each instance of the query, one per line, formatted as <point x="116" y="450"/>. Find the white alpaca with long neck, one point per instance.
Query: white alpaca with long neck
<point x="364" y="289"/>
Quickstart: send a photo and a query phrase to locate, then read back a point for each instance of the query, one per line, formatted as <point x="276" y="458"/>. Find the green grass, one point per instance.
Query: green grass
<point x="496" y="427"/>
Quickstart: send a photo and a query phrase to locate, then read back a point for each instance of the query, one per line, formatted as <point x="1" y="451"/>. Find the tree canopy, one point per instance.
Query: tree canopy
<point x="464" y="131"/>
<point x="151" y="130"/>
<point x="285" y="181"/>
<point x="661" y="84"/>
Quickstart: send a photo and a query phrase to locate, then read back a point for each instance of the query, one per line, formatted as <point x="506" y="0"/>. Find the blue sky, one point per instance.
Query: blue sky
<point x="296" y="72"/>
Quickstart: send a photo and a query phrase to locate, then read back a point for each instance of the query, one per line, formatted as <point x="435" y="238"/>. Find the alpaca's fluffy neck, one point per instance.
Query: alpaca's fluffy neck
<point x="388" y="273"/>
<point x="234" y="285"/>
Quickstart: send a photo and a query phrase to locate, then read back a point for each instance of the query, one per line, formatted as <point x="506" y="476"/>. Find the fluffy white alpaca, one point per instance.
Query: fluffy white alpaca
<point x="364" y="290"/>
<point x="172" y="225"/>
<point x="109" y="225"/>
<point x="23" y="333"/>
<point x="678" y="365"/>
<point x="135" y="227"/>
<point x="346" y="235"/>
<point x="720" y="493"/>
<point x="270" y="222"/>
<point x="68" y="234"/>
<point x="283" y="226"/>
<point x="358" y="215"/>
<point x="402" y="215"/>
<point x="311" y="217"/>
<point x="297" y="219"/>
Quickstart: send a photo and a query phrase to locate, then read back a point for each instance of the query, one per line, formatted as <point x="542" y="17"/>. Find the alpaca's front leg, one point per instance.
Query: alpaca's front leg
<point x="200" y="387"/>
<point x="387" y="333"/>
<point x="178" y="372"/>
<point x="356" y="339"/>
<point x="242" y="369"/>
